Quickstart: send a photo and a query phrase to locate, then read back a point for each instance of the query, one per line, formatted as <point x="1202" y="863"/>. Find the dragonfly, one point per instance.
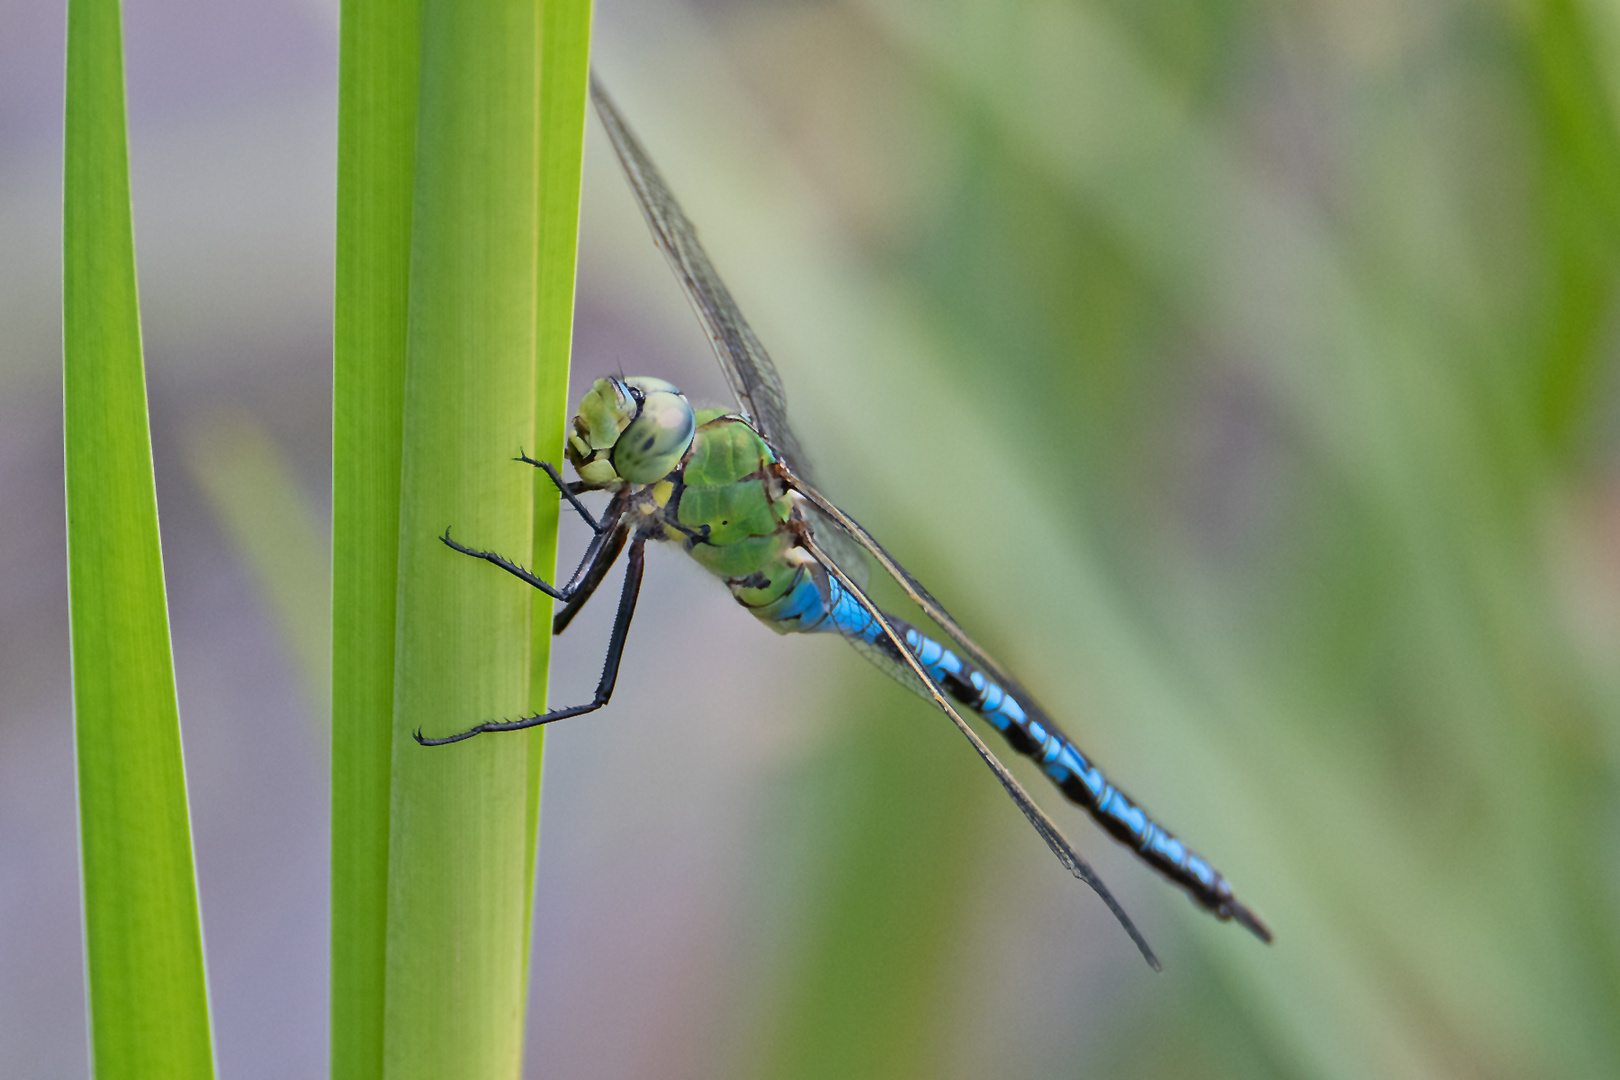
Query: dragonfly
<point x="734" y="490"/>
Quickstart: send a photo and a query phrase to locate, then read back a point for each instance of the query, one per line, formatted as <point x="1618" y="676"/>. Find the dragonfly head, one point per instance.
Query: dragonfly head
<point x="635" y="430"/>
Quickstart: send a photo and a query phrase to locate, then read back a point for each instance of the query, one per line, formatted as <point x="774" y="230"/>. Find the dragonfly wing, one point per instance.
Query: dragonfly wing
<point x="1208" y="888"/>
<point x="841" y="546"/>
<point x="852" y="533"/>
<point x="898" y="661"/>
<point x="747" y="366"/>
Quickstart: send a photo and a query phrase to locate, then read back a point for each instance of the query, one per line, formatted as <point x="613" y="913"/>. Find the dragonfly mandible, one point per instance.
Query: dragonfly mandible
<point x="734" y="490"/>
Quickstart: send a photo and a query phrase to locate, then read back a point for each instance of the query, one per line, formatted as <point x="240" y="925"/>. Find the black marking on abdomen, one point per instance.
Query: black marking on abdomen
<point x="1031" y="733"/>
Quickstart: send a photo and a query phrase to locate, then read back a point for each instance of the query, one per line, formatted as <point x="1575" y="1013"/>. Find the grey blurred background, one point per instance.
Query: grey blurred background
<point x="1243" y="374"/>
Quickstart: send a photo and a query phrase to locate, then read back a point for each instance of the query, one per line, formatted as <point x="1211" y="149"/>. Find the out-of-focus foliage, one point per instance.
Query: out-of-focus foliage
<point x="1254" y="398"/>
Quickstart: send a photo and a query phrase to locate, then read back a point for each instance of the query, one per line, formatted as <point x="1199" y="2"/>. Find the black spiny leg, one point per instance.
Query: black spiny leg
<point x="600" y="557"/>
<point x="569" y="491"/>
<point x="604" y="535"/>
<point x="610" y="667"/>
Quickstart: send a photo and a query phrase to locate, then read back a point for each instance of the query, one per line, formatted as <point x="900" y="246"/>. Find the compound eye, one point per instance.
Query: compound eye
<point x="656" y="440"/>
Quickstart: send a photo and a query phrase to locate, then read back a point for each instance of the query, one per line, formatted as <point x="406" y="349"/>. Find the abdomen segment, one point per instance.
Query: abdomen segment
<point x="1029" y="732"/>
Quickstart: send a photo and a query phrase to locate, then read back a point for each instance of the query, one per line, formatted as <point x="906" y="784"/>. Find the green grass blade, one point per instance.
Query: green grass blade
<point x="476" y="328"/>
<point x="376" y="162"/>
<point x="148" y="1000"/>
<point x="565" y="45"/>
<point x="461" y="822"/>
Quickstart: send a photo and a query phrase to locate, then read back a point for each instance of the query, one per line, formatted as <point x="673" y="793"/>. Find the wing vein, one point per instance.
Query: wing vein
<point x="924" y="599"/>
<point x="747" y="366"/>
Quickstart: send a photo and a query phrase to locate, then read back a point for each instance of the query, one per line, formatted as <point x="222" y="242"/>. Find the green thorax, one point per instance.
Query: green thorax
<point x="731" y="512"/>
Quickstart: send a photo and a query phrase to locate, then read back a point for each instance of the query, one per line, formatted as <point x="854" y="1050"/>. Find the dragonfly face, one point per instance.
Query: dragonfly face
<point x="630" y="430"/>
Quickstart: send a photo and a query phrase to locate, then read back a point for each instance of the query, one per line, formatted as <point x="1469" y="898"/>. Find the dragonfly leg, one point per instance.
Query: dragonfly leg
<point x="599" y="558"/>
<point x="604" y="535"/>
<point x="634" y="566"/>
<point x="569" y="491"/>
<point x="509" y="566"/>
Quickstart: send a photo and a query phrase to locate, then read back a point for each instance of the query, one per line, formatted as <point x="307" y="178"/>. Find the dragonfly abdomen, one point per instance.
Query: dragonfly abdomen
<point x="1081" y="781"/>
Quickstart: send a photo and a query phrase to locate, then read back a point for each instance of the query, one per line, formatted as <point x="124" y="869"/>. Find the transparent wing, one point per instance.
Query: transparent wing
<point x="747" y="366"/>
<point x="840" y="544"/>
<point x="852" y="533"/>
<point x="899" y="662"/>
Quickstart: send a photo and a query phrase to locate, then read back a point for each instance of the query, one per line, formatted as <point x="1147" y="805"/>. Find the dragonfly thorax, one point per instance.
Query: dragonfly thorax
<point x="632" y="430"/>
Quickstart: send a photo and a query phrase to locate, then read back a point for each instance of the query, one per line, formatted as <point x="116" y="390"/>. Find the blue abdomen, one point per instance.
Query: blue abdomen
<point x="1029" y="731"/>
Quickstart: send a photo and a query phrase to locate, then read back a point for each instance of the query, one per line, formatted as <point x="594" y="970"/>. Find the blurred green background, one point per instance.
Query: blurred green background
<point x="1242" y="374"/>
